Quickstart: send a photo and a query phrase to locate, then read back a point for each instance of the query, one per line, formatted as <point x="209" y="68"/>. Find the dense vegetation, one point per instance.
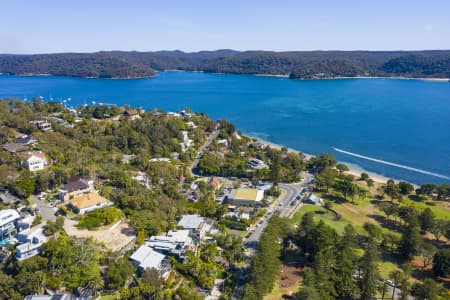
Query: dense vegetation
<point x="99" y="65"/>
<point x="298" y="65"/>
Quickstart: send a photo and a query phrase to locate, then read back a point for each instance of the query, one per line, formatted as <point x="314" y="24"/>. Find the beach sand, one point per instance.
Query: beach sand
<point x="354" y="170"/>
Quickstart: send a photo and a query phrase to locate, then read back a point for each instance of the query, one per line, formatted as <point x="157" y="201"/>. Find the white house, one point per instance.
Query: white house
<point x="31" y="243"/>
<point x="34" y="161"/>
<point x="8" y="230"/>
<point x="255" y="163"/>
<point x="42" y="125"/>
<point x="146" y="258"/>
<point x="195" y="224"/>
<point x="174" y="242"/>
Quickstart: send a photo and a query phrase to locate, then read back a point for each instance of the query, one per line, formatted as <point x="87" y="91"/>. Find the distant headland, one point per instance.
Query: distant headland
<point x="430" y="64"/>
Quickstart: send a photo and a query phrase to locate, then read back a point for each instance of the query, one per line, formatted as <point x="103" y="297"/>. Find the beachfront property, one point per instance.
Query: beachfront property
<point x="34" y="161"/>
<point x="174" y="243"/>
<point x="75" y="187"/>
<point x="88" y="202"/>
<point x="42" y="125"/>
<point x="257" y="164"/>
<point x="246" y="197"/>
<point x="147" y="258"/>
<point x="30" y="243"/>
<point x="8" y="225"/>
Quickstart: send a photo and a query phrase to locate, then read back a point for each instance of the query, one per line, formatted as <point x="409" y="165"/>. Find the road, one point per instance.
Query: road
<point x="290" y="191"/>
<point x="200" y="153"/>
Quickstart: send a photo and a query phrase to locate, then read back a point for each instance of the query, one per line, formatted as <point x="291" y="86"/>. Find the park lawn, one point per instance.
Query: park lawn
<point x="107" y="297"/>
<point x="321" y="213"/>
<point x="440" y="209"/>
<point x="277" y="293"/>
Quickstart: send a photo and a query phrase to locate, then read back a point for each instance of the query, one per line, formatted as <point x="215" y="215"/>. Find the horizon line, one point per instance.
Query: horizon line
<point x="224" y="49"/>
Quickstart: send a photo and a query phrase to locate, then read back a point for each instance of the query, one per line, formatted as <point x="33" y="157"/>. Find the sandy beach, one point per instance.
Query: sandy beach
<point x="354" y="170"/>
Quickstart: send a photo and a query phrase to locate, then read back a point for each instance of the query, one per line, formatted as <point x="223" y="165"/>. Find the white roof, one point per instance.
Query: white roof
<point x="191" y="221"/>
<point x="314" y="198"/>
<point x="8" y="216"/>
<point x="164" y="159"/>
<point x="147" y="257"/>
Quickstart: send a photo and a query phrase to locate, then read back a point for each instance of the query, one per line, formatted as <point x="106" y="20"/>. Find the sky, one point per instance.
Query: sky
<point x="49" y="26"/>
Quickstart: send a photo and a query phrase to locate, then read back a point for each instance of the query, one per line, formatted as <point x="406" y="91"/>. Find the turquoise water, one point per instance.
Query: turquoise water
<point x="404" y="123"/>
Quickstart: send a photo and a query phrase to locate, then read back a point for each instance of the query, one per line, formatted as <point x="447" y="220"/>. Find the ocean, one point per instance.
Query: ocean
<point x="396" y="128"/>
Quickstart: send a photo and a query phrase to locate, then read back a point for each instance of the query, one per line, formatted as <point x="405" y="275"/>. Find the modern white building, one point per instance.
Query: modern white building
<point x="42" y="125"/>
<point x="31" y="243"/>
<point x="8" y="229"/>
<point x="257" y="164"/>
<point x="34" y="161"/>
<point x="195" y="224"/>
<point x="175" y="242"/>
<point x="146" y="258"/>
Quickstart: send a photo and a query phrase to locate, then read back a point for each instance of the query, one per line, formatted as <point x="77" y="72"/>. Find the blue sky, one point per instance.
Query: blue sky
<point x="85" y="26"/>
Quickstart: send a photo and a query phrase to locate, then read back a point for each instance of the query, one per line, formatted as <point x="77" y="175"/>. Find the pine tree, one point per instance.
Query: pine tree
<point x="369" y="268"/>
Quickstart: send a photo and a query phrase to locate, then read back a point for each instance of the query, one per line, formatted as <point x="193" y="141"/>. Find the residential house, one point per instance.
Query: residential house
<point x="127" y="158"/>
<point x="313" y="199"/>
<point x="196" y="224"/>
<point x="88" y="202"/>
<point x="49" y="297"/>
<point x="223" y="143"/>
<point x="75" y="187"/>
<point x="8" y="228"/>
<point x="159" y="159"/>
<point x="31" y="243"/>
<point x="147" y="258"/>
<point x="34" y="161"/>
<point x="131" y="114"/>
<point x="174" y="243"/>
<point x="42" y="125"/>
<point x="25" y="140"/>
<point x="14" y="147"/>
<point x="246" y="197"/>
<point x="257" y="164"/>
<point x="216" y="184"/>
<point x="191" y="125"/>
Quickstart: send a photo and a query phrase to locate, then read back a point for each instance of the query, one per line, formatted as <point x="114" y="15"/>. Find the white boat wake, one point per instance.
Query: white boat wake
<point x="391" y="164"/>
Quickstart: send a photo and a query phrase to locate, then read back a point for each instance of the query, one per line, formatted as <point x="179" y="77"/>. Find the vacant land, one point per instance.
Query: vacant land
<point x="113" y="237"/>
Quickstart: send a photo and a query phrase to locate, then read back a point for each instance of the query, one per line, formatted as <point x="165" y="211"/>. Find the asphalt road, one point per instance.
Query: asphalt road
<point x="200" y="153"/>
<point x="283" y="206"/>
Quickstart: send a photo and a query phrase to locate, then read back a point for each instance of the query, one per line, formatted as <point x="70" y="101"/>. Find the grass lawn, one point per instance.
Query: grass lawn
<point x="278" y="292"/>
<point x="107" y="297"/>
<point x="440" y="209"/>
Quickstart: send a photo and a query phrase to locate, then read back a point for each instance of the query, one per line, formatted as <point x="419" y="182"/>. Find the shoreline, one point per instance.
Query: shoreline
<point x="354" y="169"/>
<point x="431" y="79"/>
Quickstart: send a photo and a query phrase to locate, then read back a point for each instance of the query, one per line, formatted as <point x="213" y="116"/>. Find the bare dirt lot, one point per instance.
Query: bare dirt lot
<point x="290" y="276"/>
<point x="114" y="237"/>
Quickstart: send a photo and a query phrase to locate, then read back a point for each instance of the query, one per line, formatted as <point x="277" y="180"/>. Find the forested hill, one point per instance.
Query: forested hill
<point x="97" y="65"/>
<point x="296" y="65"/>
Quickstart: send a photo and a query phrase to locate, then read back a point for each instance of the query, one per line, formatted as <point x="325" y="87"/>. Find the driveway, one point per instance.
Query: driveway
<point x="47" y="212"/>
